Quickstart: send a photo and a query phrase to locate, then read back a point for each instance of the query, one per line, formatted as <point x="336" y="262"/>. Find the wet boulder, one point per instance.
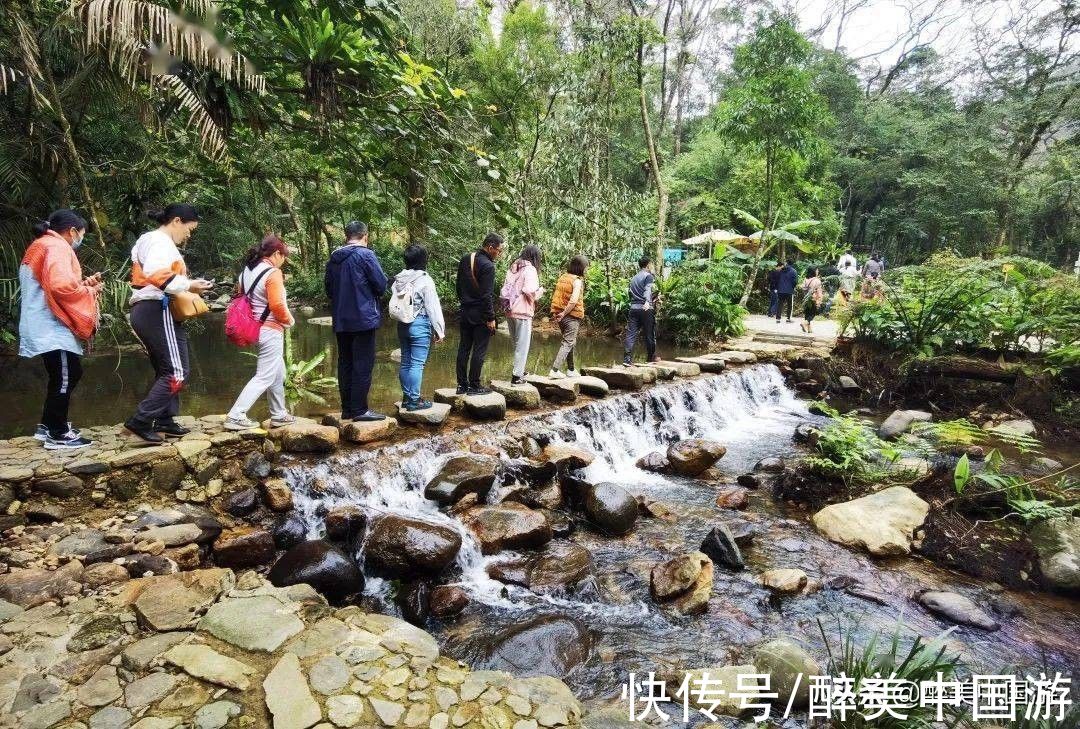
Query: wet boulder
<point x="806" y="433"/>
<point x="901" y="421"/>
<point x="611" y="508"/>
<point x="414" y="599"/>
<point x="548" y="645"/>
<point x="290" y="531"/>
<point x="786" y="581"/>
<point x="243" y="546"/>
<point x="461" y="475"/>
<point x="548" y="496"/>
<point x="242" y="503"/>
<point x="693" y="456"/>
<point x="721" y="546"/>
<point x="769" y="465"/>
<point x="447" y="601"/>
<point x="405" y="547"/>
<point x="533" y="472"/>
<point x="732" y="497"/>
<point x="790" y="667"/>
<point x="507" y="526"/>
<point x="1058" y="544"/>
<point x="656" y="462"/>
<point x="685" y="583"/>
<point x="559" y="566"/>
<point x="322" y="566"/>
<point x="956" y="608"/>
<point x="344" y="522"/>
<point x="882" y="523"/>
<point x="567" y="457"/>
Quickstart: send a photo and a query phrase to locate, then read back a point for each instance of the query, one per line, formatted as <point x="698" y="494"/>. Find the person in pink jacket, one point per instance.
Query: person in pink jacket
<point x="519" y="294"/>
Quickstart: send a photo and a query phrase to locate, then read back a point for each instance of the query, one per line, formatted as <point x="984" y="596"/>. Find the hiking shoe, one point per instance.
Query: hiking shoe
<point x="283" y="421"/>
<point x="42" y="433"/>
<point x="170" y="428"/>
<point x="572" y="373"/>
<point x="368" y="417"/>
<point x="627" y="362"/>
<point x="462" y="390"/>
<point x="239" y="424"/>
<point x="479" y="390"/>
<point x="515" y="380"/>
<point x="412" y="407"/>
<point x="555" y="375"/>
<point x="68" y="441"/>
<point x="144" y="432"/>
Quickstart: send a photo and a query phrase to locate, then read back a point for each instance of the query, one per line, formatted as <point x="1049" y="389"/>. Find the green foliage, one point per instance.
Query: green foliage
<point x="699" y="302"/>
<point x="848" y="450"/>
<point x="886" y="657"/>
<point x="302" y="379"/>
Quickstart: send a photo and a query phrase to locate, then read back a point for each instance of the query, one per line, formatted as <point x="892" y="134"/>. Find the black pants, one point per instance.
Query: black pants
<point x="165" y="341"/>
<point x="471" y="352"/>
<point x="64" y="370"/>
<point x="784" y="300"/>
<point x="644" y="321"/>
<point x="356" y="360"/>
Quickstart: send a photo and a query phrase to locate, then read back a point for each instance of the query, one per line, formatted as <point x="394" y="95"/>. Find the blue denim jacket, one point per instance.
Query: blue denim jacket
<point x="39" y="329"/>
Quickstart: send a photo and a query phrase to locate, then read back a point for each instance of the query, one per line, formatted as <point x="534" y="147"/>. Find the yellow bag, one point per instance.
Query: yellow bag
<point x="186" y="305"/>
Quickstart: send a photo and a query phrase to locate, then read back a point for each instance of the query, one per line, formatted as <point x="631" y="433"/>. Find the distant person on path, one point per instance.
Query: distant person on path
<point x="59" y="307"/>
<point x="815" y="297"/>
<point x="355" y="283"/>
<point x="772" y="283"/>
<point x="476" y="292"/>
<point x="848" y="259"/>
<point x="873" y="267"/>
<point x="785" y="289"/>
<point x="568" y="311"/>
<point x="158" y="272"/>
<point x="644" y="299"/>
<point x="518" y="299"/>
<point x="262" y="281"/>
<point x="415" y="289"/>
<point x="849" y="275"/>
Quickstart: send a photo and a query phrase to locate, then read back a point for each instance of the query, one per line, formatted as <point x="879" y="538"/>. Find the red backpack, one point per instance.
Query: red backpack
<point x="241" y="326"/>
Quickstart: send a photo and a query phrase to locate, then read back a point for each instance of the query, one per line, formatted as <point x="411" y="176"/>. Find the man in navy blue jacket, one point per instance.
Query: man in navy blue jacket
<point x="355" y="283"/>
<point x="785" y="289"/>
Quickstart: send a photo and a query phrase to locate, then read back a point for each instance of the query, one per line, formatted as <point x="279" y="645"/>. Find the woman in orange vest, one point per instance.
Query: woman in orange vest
<point x="568" y="309"/>
<point x="59" y="308"/>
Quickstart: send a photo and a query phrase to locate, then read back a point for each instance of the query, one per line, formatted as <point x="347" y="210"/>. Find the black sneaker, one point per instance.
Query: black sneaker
<point x="515" y="380"/>
<point x="368" y="417"/>
<point x="42" y="433"/>
<point x="462" y="390"/>
<point x="144" y="432"/>
<point x="170" y="428"/>
<point x="418" y="405"/>
<point x="478" y="391"/>
<point x="68" y="441"/>
<point x="627" y="362"/>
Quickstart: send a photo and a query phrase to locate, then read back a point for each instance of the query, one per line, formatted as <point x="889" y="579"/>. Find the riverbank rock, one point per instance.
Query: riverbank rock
<point x="321" y="565"/>
<point x="243" y="546"/>
<point x="522" y="397"/>
<point x="901" y="421"/>
<point x="611" y="508"/>
<point x="368" y="431"/>
<point x="276" y="494"/>
<point x="707" y="364"/>
<point x="591" y="386"/>
<point x="684" y="582"/>
<point x="434" y="415"/>
<point x="655" y="462"/>
<point x="309" y="437"/>
<point x="882" y="523"/>
<point x="491" y="406"/>
<point x="721" y="547"/>
<point x="507" y="526"/>
<point x="447" y="601"/>
<point x="787" y="581"/>
<point x="548" y="645"/>
<point x="562" y="391"/>
<point x="288" y="696"/>
<point x="256" y="622"/>
<point x="956" y="608"/>
<point x="732" y="497"/>
<point x="693" y="456"/>
<point x="681" y="369"/>
<point x="461" y="475"/>
<point x="450" y="396"/>
<point x="1015" y="427"/>
<point x="567" y="457"/>
<point x="790" y="667"/>
<point x="32" y="587"/>
<point x="1058" y="544"/>
<point x="620" y="378"/>
<point x="558" y="566"/>
<point x="407" y="547"/>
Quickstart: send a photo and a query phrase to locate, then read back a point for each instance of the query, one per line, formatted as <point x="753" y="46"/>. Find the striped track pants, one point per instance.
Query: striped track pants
<point x="165" y="341"/>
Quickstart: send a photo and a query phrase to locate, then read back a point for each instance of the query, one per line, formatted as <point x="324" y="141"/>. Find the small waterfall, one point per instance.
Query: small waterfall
<point x="745" y="406"/>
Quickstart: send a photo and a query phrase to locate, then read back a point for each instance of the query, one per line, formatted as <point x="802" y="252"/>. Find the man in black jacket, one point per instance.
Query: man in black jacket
<point x="476" y="292"/>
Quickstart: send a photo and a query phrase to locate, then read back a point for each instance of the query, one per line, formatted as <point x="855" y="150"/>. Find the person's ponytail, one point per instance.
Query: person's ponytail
<point x="59" y="221"/>
<point x="157" y="216"/>
<point x="185" y="212"/>
<point x="41" y="228"/>
<point x="253" y="256"/>
<point x="269" y="245"/>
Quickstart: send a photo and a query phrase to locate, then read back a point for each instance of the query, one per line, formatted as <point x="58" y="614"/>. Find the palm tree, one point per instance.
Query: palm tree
<point x="765" y="238"/>
<point x="56" y="54"/>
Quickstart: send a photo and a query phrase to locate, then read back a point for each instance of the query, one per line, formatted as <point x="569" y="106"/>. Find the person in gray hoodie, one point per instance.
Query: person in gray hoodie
<point x="427" y="324"/>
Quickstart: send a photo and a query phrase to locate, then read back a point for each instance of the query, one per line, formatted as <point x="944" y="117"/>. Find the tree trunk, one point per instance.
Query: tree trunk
<point x="291" y="211"/>
<point x="661" y="188"/>
<point x="416" y="221"/>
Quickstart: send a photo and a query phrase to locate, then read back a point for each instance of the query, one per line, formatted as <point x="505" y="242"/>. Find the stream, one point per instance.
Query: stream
<point x="753" y="413"/>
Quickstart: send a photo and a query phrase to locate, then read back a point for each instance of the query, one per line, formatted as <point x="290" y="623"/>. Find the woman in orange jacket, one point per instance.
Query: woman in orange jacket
<point x="59" y="308"/>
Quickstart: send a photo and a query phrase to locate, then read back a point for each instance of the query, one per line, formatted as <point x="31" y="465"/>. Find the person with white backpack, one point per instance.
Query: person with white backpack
<point x="414" y="304"/>
<point x="518" y="298"/>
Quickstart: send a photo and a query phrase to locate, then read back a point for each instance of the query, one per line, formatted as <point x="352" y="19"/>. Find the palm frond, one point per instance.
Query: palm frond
<point x="9" y="74"/>
<point x="748" y="219"/>
<point x="198" y="117"/>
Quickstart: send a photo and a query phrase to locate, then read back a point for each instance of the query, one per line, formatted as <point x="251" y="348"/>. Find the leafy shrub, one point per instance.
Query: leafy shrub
<point x="848" y="450"/>
<point x="699" y="302"/>
<point x="605" y="304"/>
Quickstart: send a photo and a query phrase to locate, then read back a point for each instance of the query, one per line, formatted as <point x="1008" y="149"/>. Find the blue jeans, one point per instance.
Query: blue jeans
<point x="415" y="339"/>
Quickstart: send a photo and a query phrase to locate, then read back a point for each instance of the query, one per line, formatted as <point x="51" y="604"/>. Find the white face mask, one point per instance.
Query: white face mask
<point x="77" y="242"/>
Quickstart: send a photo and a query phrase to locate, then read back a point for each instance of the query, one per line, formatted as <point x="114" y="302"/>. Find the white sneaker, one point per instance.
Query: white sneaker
<point x="282" y="421"/>
<point x="572" y="373"/>
<point x="555" y="375"/>
<point x="239" y="424"/>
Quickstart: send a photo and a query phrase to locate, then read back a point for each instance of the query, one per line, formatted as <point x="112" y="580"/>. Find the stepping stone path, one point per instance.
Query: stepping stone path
<point x="591" y="386"/>
<point x="561" y="390"/>
<point x="734" y="357"/>
<point x="521" y="397"/>
<point x="491" y="406"/>
<point x="620" y="378"/>
<point x="682" y="369"/>
<point x="450" y="396"/>
<point x="434" y="415"/>
<point x="707" y="364"/>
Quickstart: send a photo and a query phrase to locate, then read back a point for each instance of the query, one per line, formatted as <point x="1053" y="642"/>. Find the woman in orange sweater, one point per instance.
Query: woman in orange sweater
<point x="261" y="279"/>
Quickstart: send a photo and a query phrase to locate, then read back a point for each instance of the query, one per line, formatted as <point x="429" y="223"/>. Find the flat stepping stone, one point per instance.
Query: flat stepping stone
<point x="648" y="374"/>
<point x="734" y="357"/>
<point x="660" y="371"/>
<point x="591" y="386"/>
<point x="368" y="431"/>
<point x="449" y="396"/>
<point x="491" y="406"/>
<point x="434" y="415"/>
<point x="706" y="364"/>
<point x="621" y="378"/>
<point x="562" y="390"/>
<point x="523" y="397"/>
<point x="682" y="369"/>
